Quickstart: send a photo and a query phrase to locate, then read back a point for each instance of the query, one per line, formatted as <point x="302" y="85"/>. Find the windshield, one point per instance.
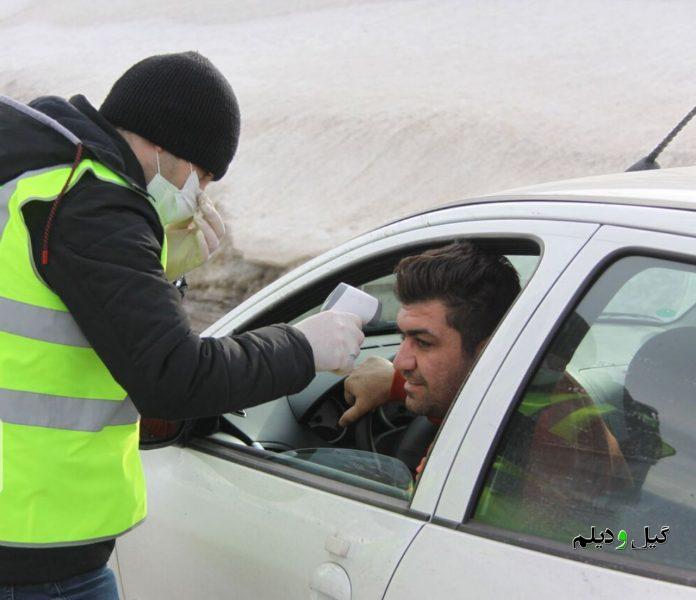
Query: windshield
<point x="656" y="294"/>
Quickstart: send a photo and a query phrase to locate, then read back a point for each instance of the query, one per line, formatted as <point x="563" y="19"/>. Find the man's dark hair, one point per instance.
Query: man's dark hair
<point x="476" y="286"/>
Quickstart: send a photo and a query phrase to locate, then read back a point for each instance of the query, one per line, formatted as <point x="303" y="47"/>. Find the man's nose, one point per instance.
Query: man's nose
<point x="404" y="359"/>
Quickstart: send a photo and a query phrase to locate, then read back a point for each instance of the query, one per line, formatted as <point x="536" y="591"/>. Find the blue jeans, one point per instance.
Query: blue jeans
<point x="99" y="584"/>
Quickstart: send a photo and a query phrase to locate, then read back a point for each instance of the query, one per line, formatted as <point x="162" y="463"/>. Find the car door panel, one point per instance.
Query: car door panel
<point x="218" y="529"/>
<point x="444" y="563"/>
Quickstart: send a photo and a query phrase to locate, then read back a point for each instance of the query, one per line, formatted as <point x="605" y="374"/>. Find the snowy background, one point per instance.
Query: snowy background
<point x="357" y="112"/>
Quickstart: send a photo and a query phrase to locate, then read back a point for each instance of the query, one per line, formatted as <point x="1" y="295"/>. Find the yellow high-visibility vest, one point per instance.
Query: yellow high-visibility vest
<point x="70" y="470"/>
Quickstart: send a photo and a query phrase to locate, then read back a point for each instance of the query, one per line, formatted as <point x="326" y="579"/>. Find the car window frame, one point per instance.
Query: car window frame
<point x="538" y="231"/>
<point x="609" y="244"/>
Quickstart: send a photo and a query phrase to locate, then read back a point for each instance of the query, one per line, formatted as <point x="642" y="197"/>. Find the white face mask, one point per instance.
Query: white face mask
<point x="174" y="205"/>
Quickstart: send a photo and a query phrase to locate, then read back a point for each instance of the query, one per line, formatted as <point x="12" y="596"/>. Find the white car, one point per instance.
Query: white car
<point x="566" y="467"/>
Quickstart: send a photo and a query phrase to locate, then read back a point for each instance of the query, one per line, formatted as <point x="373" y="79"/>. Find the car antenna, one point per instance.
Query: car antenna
<point x="650" y="161"/>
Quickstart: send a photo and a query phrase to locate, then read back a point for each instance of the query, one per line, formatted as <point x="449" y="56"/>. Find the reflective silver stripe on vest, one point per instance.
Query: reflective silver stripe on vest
<point x="40" y="323"/>
<point x="9" y="188"/>
<point x="59" y="412"/>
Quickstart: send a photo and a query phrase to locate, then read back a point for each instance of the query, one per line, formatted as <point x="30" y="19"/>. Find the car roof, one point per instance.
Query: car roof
<point x="662" y="188"/>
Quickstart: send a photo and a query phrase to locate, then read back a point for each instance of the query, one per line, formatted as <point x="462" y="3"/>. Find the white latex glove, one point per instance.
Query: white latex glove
<point x="335" y="338"/>
<point x="367" y="388"/>
<point x="191" y="243"/>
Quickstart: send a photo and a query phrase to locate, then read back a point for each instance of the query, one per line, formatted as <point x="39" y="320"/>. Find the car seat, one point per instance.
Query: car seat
<point x="661" y="375"/>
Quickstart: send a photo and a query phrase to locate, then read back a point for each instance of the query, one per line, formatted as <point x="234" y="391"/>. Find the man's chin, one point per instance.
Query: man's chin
<point x="417" y="404"/>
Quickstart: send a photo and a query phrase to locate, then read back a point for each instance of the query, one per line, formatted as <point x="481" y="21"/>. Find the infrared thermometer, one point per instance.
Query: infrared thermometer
<point x="349" y="299"/>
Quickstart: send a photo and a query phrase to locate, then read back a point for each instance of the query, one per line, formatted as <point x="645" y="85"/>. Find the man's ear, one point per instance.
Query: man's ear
<point x="480" y="346"/>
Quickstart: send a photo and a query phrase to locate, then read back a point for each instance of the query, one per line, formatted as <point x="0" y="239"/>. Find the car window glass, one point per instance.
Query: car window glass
<point x="601" y="444"/>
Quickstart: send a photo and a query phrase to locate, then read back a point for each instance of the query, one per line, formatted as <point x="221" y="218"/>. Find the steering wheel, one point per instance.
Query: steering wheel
<point x="411" y="445"/>
<point x="407" y="435"/>
<point x="364" y="439"/>
<point x="379" y="425"/>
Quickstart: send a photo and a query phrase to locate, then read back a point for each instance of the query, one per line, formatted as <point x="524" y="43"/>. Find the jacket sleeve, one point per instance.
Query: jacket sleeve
<point x="104" y="264"/>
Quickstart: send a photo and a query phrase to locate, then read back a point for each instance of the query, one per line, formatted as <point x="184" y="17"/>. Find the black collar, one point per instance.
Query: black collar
<point x="130" y="166"/>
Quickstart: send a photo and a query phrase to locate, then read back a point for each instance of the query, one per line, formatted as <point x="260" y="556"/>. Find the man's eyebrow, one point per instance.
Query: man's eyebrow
<point x="414" y="332"/>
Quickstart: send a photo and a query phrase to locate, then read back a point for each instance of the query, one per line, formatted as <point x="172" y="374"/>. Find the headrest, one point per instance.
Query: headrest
<point x="664" y="369"/>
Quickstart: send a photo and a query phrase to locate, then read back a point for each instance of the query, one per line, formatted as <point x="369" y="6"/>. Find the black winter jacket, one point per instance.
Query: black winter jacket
<point x="104" y="264"/>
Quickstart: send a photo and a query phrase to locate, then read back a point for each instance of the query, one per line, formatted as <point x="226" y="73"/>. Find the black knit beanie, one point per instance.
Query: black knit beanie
<point x="182" y="103"/>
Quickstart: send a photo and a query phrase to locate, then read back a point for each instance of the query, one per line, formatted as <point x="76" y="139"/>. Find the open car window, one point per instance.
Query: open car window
<point x="301" y="432"/>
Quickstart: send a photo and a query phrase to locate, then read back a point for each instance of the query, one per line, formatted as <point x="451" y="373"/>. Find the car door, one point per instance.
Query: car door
<point x="229" y="522"/>
<point x="576" y="474"/>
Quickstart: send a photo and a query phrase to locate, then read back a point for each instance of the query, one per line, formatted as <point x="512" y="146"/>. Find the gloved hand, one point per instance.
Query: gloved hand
<point x="335" y="338"/>
<point x="192" y="242"/>
<point x="367" y="388"/>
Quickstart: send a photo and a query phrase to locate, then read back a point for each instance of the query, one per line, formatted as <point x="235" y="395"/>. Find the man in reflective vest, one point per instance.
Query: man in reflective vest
<point x="99" y="210"/>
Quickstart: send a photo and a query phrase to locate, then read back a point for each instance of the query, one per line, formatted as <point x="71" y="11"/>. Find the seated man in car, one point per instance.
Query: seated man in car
<point x="452" y="300"/>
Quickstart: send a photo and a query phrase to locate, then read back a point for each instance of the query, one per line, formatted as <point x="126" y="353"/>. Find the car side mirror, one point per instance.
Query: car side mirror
<point x="158" y="433"/>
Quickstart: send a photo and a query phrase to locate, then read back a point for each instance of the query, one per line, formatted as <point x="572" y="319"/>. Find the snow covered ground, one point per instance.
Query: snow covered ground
<point x="357" y="112"/>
